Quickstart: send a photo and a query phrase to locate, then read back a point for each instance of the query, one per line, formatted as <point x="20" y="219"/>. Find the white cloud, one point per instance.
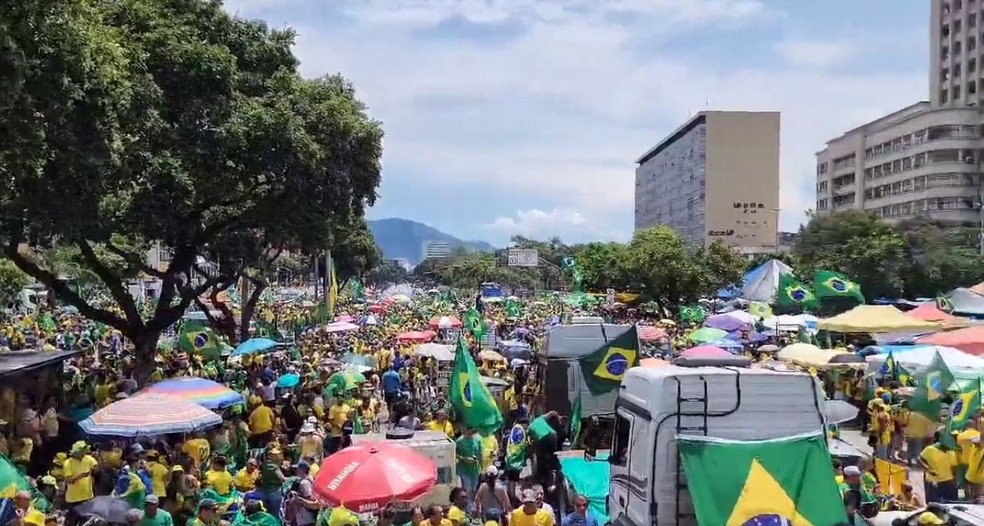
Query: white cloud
<point x="544" y="224"/>
<point x="815" y="53"/>
<point x="562" y="110"/>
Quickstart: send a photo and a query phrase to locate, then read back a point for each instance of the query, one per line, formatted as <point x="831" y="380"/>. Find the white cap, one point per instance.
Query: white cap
<point x="852" y="471"/>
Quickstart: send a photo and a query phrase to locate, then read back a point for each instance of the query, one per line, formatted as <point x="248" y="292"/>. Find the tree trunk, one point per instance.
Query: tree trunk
<point x="259" y="285"/>
<point x="145" y="343"/>
<point x="227" y="323"/>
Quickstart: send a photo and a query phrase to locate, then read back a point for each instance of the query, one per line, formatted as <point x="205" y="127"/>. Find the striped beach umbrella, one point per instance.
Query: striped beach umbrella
<point x="149" y="415"/>
<point x="206" y="393"/>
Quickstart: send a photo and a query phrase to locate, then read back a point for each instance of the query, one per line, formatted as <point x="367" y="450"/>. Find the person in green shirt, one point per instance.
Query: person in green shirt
<point x="153" y="515"/>
<point x="468" y="449"/>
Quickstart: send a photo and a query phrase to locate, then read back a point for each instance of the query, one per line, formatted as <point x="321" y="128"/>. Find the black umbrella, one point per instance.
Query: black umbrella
<point x="109" y="509"/>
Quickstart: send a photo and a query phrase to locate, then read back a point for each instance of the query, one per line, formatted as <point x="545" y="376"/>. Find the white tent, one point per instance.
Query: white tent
<point x="920" y="357"/>
<point x="760" y="283"/>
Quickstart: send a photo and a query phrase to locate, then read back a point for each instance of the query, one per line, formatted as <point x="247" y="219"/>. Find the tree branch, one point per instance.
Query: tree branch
<point x="113" y="281"/>
<point x="63" y="291"/>
<point x="134" y="260"/>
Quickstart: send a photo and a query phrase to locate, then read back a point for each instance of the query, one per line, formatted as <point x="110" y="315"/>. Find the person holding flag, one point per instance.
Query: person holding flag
<point x="515" y="461"/>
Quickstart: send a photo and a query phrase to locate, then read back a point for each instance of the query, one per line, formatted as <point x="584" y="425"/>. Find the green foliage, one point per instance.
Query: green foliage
<point x="12" y="282"/>
<point x="385" y="273"/>
<point x="468" y="270"/>
<point x="604" y="265"/>
<point x="915" y="258"/>
<point x="176" y="124"/>
<point x="858" y="245"/>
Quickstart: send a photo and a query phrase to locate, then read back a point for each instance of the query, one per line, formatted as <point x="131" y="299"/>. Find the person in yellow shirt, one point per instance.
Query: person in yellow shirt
<point x="159" y="473"/>
<point x="78" y="470"/>
<point x="530" y="513"/>
<point x="245" y="479"/>
<point x="917" y="429"/>
<point x="339" y="414"/>
<point x="490" y="451"/>
<point x="261" y="423"/>
<point x="198" y="449"/>
<point x="440" y="423"/>
<point x="218" y="477"/>
<point x="940" y="464"/>
<point x="456" y="513"/>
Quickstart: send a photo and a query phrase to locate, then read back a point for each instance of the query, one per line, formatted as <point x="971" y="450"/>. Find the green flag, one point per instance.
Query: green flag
<point x="692" y="314"/>
<point x="603" y="369"/>
<point x="768" y="482"/>
<point x="965" y="406"/>
<point x="47" y="323"/>
<point x="829" y="284"/>
<point x="575" y="424"/>
<point x="473" y="403"/>
<point x="794" y="295"/>
<point x="12" y="481"/>
<point x="200" y="341"/>
<point x="931" y="386"/>
<point x="516" y="442"/>
<point x="512" y="309"/>
<point x="473" y="323"/>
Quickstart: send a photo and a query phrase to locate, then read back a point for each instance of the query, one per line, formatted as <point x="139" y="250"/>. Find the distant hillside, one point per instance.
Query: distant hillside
<point x="404" y="239"/>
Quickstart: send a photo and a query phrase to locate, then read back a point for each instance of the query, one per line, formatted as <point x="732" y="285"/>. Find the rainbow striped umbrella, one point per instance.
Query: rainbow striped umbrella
<point x="149" y="415"/>
<point x="206" y="393"/>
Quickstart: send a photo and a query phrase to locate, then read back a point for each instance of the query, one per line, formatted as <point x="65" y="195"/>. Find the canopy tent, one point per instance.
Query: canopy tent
<point x="929" y="312"/>
<point x="790" y="323"/>
<point x="920" y="357"/>
<point x="979" y="288"/>
<point x="761" y="283"/>
<point x="966" y="301"/>
<point x="874" y="319"/>
<point x="969" y="340"/>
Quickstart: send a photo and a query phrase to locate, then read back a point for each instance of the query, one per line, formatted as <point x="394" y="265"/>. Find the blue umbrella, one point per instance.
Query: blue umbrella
<point x="289" y="381"/>
<point x="254" y="345"/>
<point x="728" y="345"/>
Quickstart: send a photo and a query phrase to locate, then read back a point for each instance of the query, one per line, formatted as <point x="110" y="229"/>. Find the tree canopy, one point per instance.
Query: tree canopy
<point x="169" y="123"/>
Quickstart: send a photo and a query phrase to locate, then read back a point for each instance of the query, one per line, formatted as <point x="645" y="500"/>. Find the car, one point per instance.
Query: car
<point x="952" y="514"/>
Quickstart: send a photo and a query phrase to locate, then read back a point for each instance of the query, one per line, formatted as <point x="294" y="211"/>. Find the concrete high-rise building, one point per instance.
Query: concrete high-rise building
<point x="923" y="159"/>
<point x="436" y="249"/>
<point x="715" y="177"/>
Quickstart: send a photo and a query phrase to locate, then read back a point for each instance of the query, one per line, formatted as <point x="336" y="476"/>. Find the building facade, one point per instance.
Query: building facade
<point x="920" y="160"/>
<point x="435" y="249"/>
<point x="923" y="160"/>
<point x="715" y="178"/>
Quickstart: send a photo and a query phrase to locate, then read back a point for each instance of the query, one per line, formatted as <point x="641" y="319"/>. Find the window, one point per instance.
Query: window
<point x="620" y="442"/>
<point x="972" y="20"/>
<point x="956" y="92"/>
<point x="972" y="65"/>
<point x="945" y="75"/>
<point x="957" y="48"/>
<point x="971" y="87"/>
<point x="957" y="70"/>
<point x="945" y="31"/>
<point x="956" y="27"/>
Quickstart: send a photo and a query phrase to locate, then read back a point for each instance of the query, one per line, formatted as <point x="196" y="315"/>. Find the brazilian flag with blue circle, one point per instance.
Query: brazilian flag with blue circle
<point x="931" y="387"/>
<point x="829" y="284"/>
<point x="603" y="369"/>
<point x="470" y="397"/>
<point x="966" y="405"/>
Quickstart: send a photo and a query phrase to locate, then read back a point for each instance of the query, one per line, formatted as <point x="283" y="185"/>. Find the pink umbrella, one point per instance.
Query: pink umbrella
<point x="706" y="351"/>
<point x="344" y="317"/>
<point x="341" y="326"/>
<point x="445" y="322"/>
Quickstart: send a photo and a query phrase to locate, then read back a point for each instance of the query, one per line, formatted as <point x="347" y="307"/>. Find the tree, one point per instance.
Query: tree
<point x="12" y="282"/>
<point x="603" y="265"/>
<point x="859" y="245"/>
<point x="385" y="273"/>
<point x="172" y="123"/>
<point x="662" y="265"/>
<point x="941" y="258"/>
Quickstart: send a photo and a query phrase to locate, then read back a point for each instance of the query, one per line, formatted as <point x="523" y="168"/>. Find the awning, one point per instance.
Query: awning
<point x="17" y="362"/>
<point x="875" y="319"/>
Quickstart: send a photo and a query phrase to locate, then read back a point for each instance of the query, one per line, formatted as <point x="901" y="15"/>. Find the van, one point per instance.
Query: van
<point x="565" y="346"/>
<point x="654" y="405"/>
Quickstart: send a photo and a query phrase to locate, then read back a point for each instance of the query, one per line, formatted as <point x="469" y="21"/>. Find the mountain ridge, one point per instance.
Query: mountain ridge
<point x="400" y="238"/>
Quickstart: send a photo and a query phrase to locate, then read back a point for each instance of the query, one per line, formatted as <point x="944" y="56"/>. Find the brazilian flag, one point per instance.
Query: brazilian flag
<point x="200" y="341"/>
<point x="470" y="397"/>
<point x="829" y="284"/>
<point x="792" y="295"/>
<point x="603" y="369"/>
<point x="930" y="389"/>
<point x="516" y="442"/>
<point x="786" y="481"/>
<point x="965" y="406"/>
<point x="575" y="423"/>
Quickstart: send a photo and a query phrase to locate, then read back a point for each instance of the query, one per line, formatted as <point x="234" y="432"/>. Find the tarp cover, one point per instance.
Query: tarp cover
<point x="589" y="479"/>
<point x="760" y="283"/>
<point x="875" y="318"/>
<point x="965" y="301"/>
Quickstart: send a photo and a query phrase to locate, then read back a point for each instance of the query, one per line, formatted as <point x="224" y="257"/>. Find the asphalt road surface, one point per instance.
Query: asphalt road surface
<point x="860" y="441"/>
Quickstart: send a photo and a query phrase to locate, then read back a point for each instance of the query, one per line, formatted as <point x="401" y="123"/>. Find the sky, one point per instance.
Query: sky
<point x="508" y="117"/>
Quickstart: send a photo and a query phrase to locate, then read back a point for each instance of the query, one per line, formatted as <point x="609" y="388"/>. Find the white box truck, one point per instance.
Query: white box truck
<point x="647" y="485"/>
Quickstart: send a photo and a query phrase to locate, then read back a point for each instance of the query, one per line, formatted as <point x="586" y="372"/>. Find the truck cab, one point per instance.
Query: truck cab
<point x="725" y="400"/>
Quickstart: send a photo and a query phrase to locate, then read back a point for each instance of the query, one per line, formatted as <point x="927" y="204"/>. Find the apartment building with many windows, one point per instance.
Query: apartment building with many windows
<point x="917" y="161"/>
<point x="924" y="159"/>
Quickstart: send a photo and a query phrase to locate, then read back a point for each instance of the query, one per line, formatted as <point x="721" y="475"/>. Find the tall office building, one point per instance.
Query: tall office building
<point x="923" y="159"/>
<point x="715" y="177"/>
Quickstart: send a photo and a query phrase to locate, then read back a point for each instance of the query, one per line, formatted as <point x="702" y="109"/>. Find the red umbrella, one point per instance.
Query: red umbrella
<point x="416" y="336"/>
<point x="368" y="476"/>
<point x="445" y="322"/>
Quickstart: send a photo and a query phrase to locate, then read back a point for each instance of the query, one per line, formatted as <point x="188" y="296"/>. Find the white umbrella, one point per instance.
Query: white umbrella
<point x="437" y="351"/>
